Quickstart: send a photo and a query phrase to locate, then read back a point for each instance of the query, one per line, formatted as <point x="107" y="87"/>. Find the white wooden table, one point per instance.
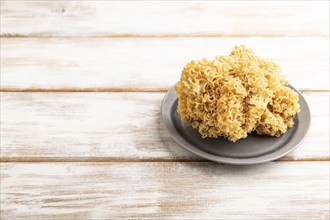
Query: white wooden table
<point x="81" y="87"/>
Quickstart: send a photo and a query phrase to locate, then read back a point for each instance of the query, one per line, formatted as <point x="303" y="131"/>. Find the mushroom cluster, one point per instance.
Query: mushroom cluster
<point x="234" y="95"/>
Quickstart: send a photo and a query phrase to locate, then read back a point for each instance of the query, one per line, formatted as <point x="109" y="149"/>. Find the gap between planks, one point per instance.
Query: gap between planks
<point x="111" y="90"/>
<point x="123" y="160"/>
<point x="173" y="35"/>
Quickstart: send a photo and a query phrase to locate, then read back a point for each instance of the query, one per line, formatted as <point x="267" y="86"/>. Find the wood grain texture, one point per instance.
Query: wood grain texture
<point x="224" y="18"/>
<point x="102" y="155"/>
<point x="140" y="64"/>
<point x="114" y="127"/>
<point x="164" y="191"/>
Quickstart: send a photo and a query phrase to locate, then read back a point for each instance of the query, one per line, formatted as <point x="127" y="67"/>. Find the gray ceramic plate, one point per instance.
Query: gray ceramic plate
<point x="251" y="150"/>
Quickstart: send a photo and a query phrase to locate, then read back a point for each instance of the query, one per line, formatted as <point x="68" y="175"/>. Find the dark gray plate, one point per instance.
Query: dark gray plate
<point x="251" y="150"/>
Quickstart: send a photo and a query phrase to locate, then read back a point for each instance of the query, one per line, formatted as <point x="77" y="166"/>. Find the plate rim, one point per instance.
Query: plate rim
<point x="229" y="160"/>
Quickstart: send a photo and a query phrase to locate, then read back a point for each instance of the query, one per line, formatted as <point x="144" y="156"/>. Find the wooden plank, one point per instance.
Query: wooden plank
<point x="102" y="18"/>
<point x="297" y="190"/>
<point x="140" y="64"/>
<point x="114" y="127"/>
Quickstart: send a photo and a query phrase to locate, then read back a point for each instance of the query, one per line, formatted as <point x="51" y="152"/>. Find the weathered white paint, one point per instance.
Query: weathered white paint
<point x="282" y="190"/>
<point x="110" y="18"/>
<point x="113" y="127"/>
<point x="125" y="128"/>
<point x="146" y="63"/>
